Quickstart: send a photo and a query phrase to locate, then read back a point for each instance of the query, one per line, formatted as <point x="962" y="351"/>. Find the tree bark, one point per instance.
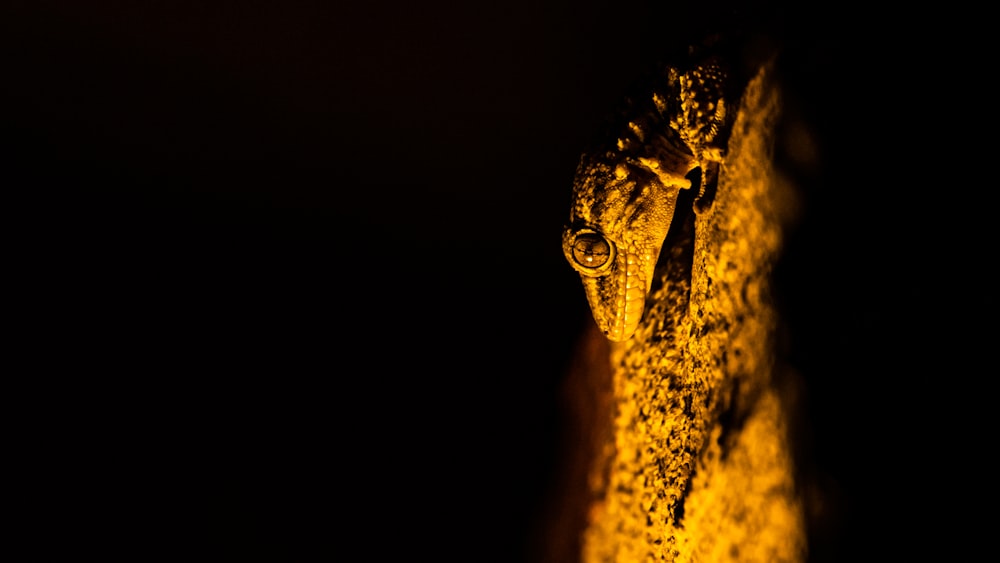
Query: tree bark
<point x="682" y="447"/>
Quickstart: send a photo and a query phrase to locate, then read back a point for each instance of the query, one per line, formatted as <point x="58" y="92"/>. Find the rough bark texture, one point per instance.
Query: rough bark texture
<point x="691" y="461"/>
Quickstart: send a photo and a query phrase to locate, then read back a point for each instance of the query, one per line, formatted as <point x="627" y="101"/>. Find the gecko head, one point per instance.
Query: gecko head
<point x="619" y="220"/>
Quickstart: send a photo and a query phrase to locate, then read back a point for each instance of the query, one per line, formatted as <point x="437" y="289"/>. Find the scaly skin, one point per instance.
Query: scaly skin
<point x="624" y="195"/>
<point x="688" y="436"/>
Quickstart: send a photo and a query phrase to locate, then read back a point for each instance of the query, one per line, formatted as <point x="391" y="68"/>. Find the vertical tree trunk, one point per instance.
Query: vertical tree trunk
<point x="687" y="454"/>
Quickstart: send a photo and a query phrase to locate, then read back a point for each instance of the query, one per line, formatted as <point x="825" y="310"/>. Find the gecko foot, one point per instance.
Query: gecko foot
<point x="707" y="180"/>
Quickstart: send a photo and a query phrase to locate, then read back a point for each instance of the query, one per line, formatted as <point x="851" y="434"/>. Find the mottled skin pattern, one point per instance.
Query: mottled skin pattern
<point x="624" y="194"/>
<point x="694" y="462"/>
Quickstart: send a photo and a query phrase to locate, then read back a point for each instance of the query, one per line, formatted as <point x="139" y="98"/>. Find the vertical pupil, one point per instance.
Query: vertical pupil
<point x="591" y="250"/>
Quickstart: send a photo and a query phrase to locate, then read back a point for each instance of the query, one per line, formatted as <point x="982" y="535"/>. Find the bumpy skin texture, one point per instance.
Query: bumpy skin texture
<point x="691" y="458"/>
<point x="624" y="196"/>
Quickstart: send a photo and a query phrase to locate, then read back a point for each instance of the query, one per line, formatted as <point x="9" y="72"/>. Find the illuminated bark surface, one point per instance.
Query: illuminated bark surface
<point x="691" y="458"/>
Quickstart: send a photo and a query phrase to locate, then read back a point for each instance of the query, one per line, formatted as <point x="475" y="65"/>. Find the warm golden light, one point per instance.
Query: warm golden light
<point x="693" y="462"/>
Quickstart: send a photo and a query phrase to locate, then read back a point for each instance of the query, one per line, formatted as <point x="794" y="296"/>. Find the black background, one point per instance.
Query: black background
<point x="287" y="280"/>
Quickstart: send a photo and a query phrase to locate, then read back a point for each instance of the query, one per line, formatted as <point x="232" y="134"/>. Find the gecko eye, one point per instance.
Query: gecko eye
<point x="591" y="250"/>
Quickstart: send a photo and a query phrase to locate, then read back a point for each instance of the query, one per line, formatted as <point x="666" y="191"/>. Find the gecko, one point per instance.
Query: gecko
<point x="625" y="192"/>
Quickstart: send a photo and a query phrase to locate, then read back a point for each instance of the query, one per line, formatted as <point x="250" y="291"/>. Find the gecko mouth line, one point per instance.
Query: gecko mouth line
<point x="625" y="192"/>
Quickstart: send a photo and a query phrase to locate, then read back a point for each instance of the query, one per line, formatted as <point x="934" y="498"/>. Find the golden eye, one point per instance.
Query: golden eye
<point x="591" y="250"/>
